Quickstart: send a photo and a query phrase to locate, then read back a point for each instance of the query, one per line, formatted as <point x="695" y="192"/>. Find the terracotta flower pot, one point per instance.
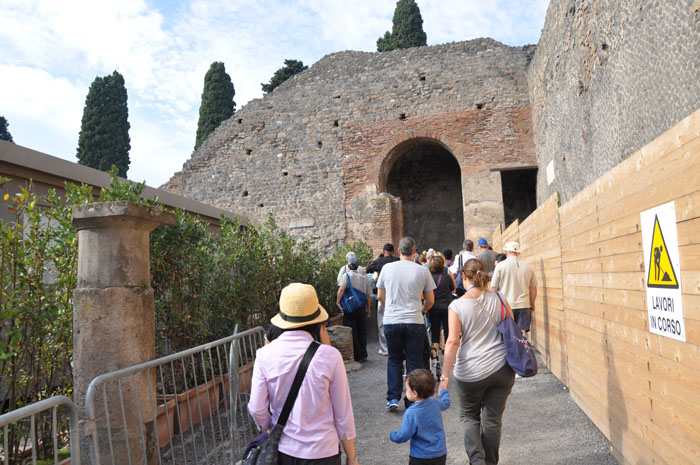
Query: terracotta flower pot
<point x="245" y="376"/>
<point x="166" y="418"/>
<point x="197" y="404"/>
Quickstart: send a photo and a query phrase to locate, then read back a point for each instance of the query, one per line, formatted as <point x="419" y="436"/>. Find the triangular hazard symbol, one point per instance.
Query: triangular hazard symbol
<point x="661" y="272"/>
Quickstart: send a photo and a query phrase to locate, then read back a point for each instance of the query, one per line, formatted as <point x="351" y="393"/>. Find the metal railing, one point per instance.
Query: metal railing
<point x="12" y="423"/>
<point x="185" y="408"/>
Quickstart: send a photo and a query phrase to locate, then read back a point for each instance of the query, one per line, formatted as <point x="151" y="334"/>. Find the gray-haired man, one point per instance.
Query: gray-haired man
<point x="405" y="289"/>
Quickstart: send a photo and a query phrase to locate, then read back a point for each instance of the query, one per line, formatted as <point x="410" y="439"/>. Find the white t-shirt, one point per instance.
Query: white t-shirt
<point x="454" y="268"/>
<point x="344" y="268"/>
<point x="359" y="281"/>
<point x="404" y="283"/>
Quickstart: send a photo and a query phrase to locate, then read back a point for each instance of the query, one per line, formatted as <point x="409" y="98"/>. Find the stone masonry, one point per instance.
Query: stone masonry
<point x="608" y="77"/>
<point x="317" y="151"/>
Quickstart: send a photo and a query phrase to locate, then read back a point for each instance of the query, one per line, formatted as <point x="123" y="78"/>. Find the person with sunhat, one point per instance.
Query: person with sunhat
<point x="322" y="417"/>
<point x="517" y="282"/>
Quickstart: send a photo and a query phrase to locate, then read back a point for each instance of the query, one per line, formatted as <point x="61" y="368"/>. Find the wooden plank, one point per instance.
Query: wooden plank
<point x="608" y="312"/>
<point x="674" y="405"/>
<point x="625" y="280"/>
<point x="691" y="306"/>
<point x="692" y="331"/>
<point x="625" y="298"/>
<point x="651" y="186"/>
<point x="616" y="246"/>
<point x="633" y="261"/>
<point x="683" y="378"/>
<point x="688" y="234"/>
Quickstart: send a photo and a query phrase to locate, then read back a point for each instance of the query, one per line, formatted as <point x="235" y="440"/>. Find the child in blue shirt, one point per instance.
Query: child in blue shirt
<point x="422" y="421"/>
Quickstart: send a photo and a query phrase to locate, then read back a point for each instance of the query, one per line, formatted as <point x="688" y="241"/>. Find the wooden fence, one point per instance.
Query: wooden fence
<point x="591" y="322"/>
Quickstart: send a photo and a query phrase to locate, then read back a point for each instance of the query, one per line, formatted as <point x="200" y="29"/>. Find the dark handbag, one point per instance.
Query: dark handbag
<point x="519" y="353"/>
<point x="352" y="300"/>
<point x="459" y="290"/>
<point x="263" y="449"/>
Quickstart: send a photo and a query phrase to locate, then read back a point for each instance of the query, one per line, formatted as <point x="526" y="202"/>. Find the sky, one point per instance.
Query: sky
<point x="51" y="51"/>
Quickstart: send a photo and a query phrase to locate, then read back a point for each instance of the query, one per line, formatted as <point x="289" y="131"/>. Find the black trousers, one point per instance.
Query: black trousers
<point x="357" y="321"/>
<point x="432" y="461"/>
<point x="285" y="459"/>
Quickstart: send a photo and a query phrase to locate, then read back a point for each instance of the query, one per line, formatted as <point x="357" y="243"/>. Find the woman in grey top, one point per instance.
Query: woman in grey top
<point x="475" y="348"/>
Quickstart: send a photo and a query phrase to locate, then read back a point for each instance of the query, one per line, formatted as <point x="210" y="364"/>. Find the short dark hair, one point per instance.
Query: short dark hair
<point x="421" y="381"/>
<point x="389" y="247"/>
<point x="352" y="266"/>
<point x="500" y="257"/>
<point x="468" y="245"/>
<point x="447" y="253"/>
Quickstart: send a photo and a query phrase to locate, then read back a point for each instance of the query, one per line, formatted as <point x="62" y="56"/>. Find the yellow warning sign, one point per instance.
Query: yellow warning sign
<point x="661" y="273"/>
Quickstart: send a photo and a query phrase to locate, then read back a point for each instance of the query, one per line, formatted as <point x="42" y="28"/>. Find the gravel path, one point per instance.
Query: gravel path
<point x="541" y="425"/>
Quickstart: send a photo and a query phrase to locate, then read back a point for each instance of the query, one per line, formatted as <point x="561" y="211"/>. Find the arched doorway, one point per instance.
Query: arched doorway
<point x="427" y="178"/>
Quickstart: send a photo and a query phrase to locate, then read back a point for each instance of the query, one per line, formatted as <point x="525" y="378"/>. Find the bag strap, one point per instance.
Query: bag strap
<point x="352" y="289"/>
<point x="503" y="306"/>
<point x="484" y="310"/>
<point x="439" y="279"/>
<point x="296" y="384"/>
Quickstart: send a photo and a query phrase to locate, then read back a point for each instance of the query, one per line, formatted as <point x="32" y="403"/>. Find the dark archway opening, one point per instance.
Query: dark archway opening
<point x="519" y="189"/>
<point x="427" y="178"/>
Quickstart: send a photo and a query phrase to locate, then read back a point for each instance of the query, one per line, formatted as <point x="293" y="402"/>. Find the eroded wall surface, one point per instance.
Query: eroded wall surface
<point x="283" y="154"/>
<point x="608" y="77"/>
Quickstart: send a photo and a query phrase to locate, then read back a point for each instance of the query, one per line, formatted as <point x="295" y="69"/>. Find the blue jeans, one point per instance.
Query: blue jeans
<point x="404" y="341"/>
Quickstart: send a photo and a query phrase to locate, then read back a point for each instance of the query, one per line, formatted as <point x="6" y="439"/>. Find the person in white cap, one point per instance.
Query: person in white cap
<point x="344" y="269"/>
<point x="517" y="282"/>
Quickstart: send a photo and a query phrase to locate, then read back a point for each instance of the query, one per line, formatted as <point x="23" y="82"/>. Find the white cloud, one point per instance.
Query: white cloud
<point x="50" y="52"/>
<point x="41" y="108"/>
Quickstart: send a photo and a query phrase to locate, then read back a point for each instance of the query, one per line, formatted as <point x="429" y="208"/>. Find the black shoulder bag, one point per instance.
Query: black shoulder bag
<point x="263" y="449"/>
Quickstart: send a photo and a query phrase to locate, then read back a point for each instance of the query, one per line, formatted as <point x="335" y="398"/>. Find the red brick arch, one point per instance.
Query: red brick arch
<point x="399" y="149"/>
<point x="481" y="140"/>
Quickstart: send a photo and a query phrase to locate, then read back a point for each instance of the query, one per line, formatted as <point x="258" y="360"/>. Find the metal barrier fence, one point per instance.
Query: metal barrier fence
<point x="186" y="408"/>
<point x="27" y="439"/>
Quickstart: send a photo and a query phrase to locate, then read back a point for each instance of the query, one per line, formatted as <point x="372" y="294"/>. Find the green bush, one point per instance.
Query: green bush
<point x="204" y="284"/>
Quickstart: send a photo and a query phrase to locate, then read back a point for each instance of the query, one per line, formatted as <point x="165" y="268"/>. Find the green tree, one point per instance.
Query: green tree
<point x="407" y="30"/>
<point x="217" y="101"/>
<point x="104" y="133"/>
<point x="4" y="132"/>
<point x="291" y="67"/>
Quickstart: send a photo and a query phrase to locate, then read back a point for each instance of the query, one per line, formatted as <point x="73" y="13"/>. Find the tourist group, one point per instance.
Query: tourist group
<point x="300" y="386"/>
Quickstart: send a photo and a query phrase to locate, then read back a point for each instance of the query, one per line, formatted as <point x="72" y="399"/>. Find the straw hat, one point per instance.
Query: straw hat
<point x="299" y="307"/>
<point x="512" y="247"/>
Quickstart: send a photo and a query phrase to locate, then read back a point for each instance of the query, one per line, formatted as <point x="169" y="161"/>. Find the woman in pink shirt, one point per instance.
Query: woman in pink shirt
<point x="322" y="416"/>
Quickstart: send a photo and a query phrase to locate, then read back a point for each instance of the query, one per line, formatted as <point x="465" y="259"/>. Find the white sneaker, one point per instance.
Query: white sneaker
<point x="518" y="376"/>
<point x="382" y="352"/>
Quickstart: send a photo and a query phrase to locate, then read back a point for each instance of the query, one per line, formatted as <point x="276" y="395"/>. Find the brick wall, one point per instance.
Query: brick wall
<point x="481" y="140"/>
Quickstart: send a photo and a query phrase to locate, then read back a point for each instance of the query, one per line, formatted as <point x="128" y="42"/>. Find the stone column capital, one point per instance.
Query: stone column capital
<point x="119" y="214"/>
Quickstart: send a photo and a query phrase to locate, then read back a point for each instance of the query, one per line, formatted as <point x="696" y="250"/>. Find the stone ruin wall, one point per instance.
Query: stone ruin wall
<point x="608" y="77"/>
<point x="284" y="154"/>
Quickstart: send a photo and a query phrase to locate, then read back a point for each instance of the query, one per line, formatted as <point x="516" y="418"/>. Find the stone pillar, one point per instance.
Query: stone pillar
<point x="113" y="315"/>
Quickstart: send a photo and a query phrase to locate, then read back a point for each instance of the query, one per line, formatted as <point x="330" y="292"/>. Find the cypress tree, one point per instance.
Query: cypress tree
<point x="407" y="30"/>
<point x="217" y="101"/>
<point x="291" y="67"/>
<point x="4" y="131"/>
<point x="104" y="133"/>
